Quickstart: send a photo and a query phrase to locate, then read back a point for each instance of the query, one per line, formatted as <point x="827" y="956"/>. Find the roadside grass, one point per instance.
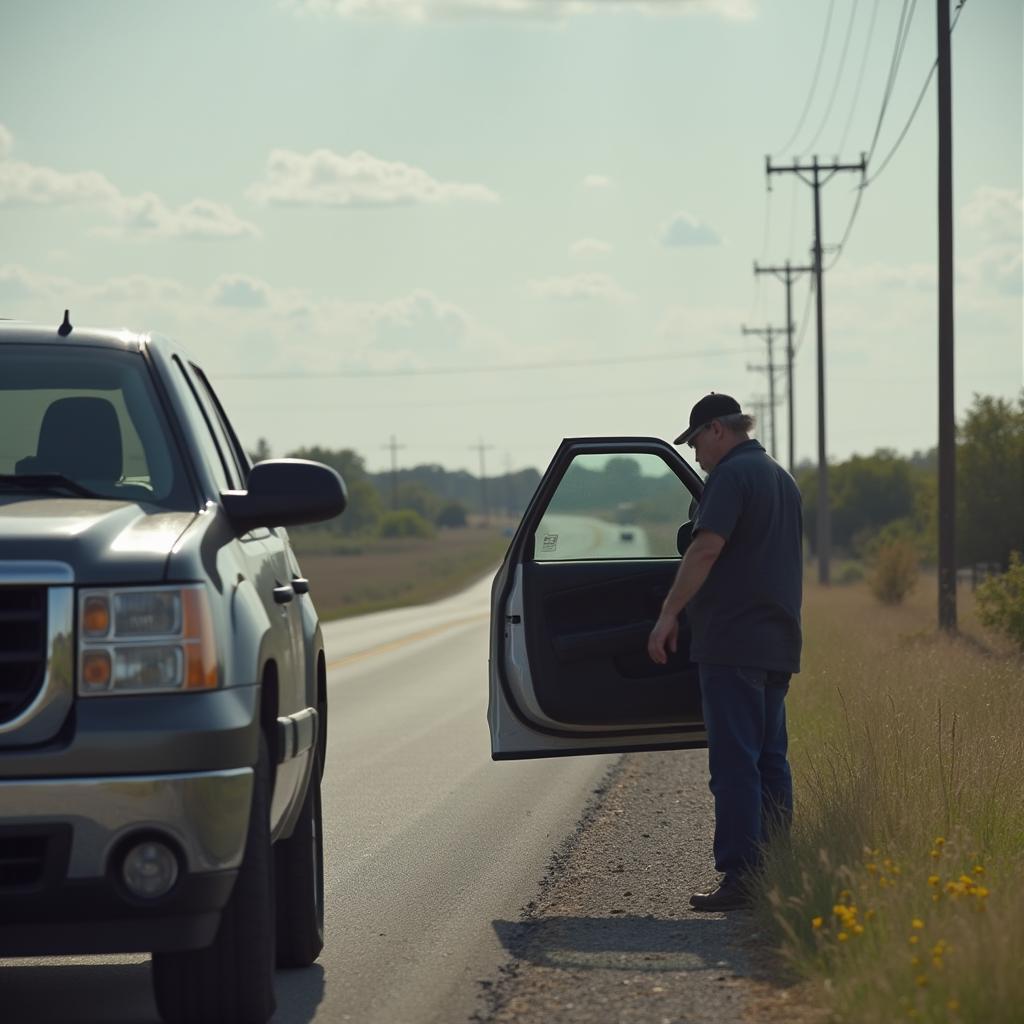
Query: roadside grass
<point x="371" y="575"/>
<point x="900" y="895"/>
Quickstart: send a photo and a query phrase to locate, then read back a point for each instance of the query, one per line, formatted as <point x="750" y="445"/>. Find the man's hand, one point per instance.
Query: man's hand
<point x="663" y="638"/>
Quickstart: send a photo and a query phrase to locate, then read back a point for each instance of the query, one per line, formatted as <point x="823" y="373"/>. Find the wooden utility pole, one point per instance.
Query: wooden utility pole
<point x="947" y="408"/>
<point x="394" y="448"/>
<point x="482" y="448"/>
<point x="821" y="174"/>
<point x="787" y="274"/>
<point x="768" y="333"/>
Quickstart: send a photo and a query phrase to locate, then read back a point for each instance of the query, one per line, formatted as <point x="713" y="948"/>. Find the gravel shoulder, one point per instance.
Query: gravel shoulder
<point x="610" y="936"/>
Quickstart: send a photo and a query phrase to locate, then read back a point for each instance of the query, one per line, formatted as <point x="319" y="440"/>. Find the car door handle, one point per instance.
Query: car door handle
<point x="283" y="594"/>
<point x="300" y="585"/>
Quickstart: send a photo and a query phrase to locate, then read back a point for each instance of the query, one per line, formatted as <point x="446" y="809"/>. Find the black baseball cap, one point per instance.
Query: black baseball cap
<point x="709" y="408"/>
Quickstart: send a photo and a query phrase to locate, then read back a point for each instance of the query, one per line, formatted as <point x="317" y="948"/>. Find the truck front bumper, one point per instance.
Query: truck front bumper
<point x="61" y="842"/>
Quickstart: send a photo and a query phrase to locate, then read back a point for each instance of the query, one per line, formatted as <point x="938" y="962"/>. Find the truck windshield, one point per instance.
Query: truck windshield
<point x="90" y="416"/>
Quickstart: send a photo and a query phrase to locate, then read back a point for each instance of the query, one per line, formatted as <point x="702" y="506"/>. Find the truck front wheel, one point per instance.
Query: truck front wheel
<point x="231" y="981"/>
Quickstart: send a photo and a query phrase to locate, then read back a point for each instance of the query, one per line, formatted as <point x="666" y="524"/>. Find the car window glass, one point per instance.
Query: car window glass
<point x="240" y="459"/>
<point x="91" y="416"/>
<point x="212" y="447"/>
<point x="613" y="507"/>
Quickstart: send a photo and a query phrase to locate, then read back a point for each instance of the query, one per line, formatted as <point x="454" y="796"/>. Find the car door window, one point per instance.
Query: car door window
<point x="223" y="471"/>
<point x="614" y="507"/>
<point x="227" y="433"/>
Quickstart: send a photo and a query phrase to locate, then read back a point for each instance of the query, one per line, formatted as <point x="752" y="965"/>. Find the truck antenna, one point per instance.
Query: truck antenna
<point x="65" y="328"/>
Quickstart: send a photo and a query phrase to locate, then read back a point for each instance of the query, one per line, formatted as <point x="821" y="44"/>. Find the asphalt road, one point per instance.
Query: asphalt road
<point x="428" y="843"/>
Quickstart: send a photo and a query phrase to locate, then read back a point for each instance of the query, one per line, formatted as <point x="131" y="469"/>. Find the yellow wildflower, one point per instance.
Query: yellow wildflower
<point x="939" y="841"/>
<point x="937" y="962"/>
<point x="915" y="961"/>
<point x="912" y="939"/>
<point x="934" y="880"/>
<point x="842" y="936"/>
<point x="936" y="854"/>
<point x="816" y="923"/>
<point x="871" y="868"/>
<point x="858" y="929"/>
<point x="978" y="869"/>
<point x="917" y="923"/>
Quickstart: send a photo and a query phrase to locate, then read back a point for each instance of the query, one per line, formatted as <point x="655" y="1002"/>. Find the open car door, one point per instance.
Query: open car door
<point x="576" y="598"/>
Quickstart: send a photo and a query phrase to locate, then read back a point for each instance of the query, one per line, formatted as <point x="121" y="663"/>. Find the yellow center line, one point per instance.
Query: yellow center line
<point x="394" y="645"/>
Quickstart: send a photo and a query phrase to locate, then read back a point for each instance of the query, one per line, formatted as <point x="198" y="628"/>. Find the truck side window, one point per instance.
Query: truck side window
<point x="215" y="458"/>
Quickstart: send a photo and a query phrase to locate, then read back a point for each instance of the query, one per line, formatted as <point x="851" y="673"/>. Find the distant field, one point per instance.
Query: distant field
<point x="899" y="897"/>
<point x="376" y="574"/>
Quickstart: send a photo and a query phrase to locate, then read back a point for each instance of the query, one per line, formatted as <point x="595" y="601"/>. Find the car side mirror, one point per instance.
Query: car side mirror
<point x="683" y="538"/>
<point x="286" y="492"/>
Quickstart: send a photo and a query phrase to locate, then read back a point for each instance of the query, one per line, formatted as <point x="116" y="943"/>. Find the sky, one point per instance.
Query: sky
<point x="498" y="223"/>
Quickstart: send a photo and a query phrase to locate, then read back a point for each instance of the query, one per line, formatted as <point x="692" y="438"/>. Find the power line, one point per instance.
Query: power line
<point x="892" y="152"/>
<point x="650" y="357"/>
<point x="860" y="76"/>
<point x="804" y="318"/>
<point x="814" y="81"/>
<point x="902" y="31"/>
<point x="917" y="105"/>
<point x="838" y="79"/>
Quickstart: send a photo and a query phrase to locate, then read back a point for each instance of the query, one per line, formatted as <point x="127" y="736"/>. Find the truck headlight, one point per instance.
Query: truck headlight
<point x="135" y="640"/>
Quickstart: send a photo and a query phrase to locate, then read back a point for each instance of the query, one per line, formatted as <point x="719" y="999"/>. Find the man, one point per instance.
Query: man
<point x="740" y="582"/>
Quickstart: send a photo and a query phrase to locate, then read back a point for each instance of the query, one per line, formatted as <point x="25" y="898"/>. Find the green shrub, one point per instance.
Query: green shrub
<point x="452" y="515"/>
<point x="404" y="522"/>
<point x="849" y="572"/>
<point x="1001" y="601"/>
<point x="893" y="570"/>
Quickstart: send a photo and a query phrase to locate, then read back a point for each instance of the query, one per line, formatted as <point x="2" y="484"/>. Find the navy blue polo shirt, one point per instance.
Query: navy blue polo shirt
<point x="748" y="610"/>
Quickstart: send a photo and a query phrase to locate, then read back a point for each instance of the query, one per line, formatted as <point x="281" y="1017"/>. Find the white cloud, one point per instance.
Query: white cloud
<point x="148" y="216"/>
<point x="588" y="248"/>
<point x="996" y="213"/>
<point x="580" y="287"/>
<point x="23" y="184"/>
<point x="597" y="181"/>
<point x="685" y="229"/>
<point x="429" y="10"/>
<point x="239" y="291"/>
<point x="325" y="178"/>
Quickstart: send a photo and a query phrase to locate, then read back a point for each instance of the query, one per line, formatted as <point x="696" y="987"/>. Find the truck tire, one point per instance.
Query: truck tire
<point x="232" y="980"/>
<point x="300" y="881"/>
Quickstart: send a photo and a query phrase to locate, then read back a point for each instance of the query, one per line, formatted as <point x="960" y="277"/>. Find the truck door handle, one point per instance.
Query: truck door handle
<point x="283" y="594"/>
<point x="300" y="585"/>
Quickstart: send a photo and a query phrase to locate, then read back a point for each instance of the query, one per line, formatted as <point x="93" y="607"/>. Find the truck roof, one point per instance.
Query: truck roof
<point x="23" y="332"/>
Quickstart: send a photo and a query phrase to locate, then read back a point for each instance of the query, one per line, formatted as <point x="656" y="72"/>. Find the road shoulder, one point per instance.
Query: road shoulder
<point x="610" y="937"/>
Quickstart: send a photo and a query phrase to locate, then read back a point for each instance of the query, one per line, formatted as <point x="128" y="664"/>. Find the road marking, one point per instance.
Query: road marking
<point x="394" y="645"/>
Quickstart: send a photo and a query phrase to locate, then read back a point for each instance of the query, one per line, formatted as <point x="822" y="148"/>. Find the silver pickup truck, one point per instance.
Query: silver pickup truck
<point x="163" y="704"/>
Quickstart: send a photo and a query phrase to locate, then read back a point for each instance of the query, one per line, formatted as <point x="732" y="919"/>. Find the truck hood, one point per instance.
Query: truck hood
<point x="103" y="541"/>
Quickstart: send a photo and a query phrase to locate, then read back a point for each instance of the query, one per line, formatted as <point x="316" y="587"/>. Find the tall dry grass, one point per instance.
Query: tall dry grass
<point x="901" y="891"/>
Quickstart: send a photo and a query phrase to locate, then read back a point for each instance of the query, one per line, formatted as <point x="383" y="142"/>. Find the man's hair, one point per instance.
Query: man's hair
<point x="737" y="422"/>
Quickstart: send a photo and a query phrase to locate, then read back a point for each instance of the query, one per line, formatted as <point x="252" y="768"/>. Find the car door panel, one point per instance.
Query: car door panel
<point x="569" y="667"/>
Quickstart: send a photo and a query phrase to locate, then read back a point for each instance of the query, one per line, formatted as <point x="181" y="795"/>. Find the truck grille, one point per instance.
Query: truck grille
<point x="32" y="857"/>
<point x="22" y="648"/>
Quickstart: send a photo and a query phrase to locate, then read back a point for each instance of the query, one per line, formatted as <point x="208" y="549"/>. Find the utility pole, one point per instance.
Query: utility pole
<point x="481" y="448"/>
<point x="394" y="447"/>
<point x="820" y="175"/>
<point x="768" y="333"/>
<point x="758" y="406"/>
<point x="947" y="408"/>
<point x="787" y="274"/>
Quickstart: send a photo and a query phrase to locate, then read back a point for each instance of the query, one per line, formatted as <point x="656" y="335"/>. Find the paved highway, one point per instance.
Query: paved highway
<point x="427" y="841"/>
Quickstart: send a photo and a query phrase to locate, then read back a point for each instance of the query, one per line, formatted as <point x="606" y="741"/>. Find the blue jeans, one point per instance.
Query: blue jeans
<point x="745" y="715"/>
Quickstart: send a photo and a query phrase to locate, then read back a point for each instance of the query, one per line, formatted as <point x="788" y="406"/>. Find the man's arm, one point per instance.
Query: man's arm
<point x="693" y="571"/>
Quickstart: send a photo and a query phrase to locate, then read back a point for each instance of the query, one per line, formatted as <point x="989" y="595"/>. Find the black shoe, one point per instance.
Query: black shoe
<point x="727" y="895"/>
